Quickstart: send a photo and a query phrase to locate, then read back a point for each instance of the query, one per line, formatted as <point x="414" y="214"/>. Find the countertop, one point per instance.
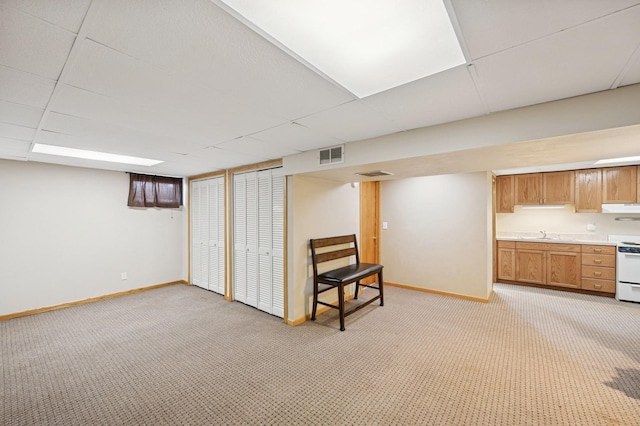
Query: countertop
<point x="557" y="238"/>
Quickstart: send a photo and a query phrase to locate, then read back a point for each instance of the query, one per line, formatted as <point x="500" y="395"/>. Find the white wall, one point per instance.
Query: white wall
<point x="439" y="233"/>
<point x="316" y="208"/>
<point x="66" y="234"/>
<point x="565" y="221"/>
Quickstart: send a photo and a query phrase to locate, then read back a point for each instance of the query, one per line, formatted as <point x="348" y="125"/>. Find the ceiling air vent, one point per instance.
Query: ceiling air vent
<point x="332" y="155"/>
<point x="375" y="173"/>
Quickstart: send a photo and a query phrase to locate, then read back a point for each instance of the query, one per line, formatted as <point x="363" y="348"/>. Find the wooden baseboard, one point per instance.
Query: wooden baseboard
<point x="440" y="292"/>
<point x="558" y="288"/>
<point x="90" y="300"/>
<point x="321" y="309"/>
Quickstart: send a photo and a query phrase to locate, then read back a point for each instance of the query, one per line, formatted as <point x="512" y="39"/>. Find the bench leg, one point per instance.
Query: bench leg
<point x="315" y="301"/>
<point x="380" y="286"/>
<point x="355" y="296"/>
<point x="341" y="305"/>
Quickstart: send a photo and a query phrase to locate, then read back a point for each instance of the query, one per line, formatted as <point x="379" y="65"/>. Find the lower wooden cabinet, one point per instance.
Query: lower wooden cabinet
<point x="577" y="266"/>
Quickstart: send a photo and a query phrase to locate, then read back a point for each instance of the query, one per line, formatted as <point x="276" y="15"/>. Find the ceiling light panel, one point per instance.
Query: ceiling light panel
<point x="366" y="46"/>
<point x="64" y="151"/>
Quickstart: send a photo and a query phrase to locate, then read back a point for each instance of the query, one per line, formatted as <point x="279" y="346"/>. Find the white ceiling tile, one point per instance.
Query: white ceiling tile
<point x="24" y="88"/>
<point x="225" y="159"/>
<point x="296" y="137"/>
<point x="201" y="44"/>
<point x="12" y="148"/>
<point x="490" y="26"/>
<point x="120" y="77"/>
<point x="251" y="146"/>
<point x="350" y="122"/>
<point x="19" y="115"/>
<point x="632" y="72"/>
<point x="440" y="98"/>
<point x="32" y="45"/>
<point x="11" y="131"/>
<point x="67" y="14"/>
<point x="102" y="136"/>
<point x="585" y="59"/>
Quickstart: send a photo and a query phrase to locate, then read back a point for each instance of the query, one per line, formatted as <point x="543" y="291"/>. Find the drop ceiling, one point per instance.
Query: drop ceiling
<point x="187" y="83"/>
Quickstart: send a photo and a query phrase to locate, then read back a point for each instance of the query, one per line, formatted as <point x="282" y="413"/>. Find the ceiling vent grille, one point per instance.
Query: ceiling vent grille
<point x="332" y="155"/>
<point x="375" y="173"/>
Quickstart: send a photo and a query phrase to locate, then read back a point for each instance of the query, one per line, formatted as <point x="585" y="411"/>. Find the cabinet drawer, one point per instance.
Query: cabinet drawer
<point x="596" y="249"/>
<point x="506" y="244"/>
<point x="607" y="260"/>
<point x="605" y="286"/>
<point x="574" y="248"/>
<point x="598" y="272"/>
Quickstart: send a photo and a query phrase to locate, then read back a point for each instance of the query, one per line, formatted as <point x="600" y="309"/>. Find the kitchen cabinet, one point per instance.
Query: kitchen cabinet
<point x="588" y="191"/>
<point x="620" y="184"/>
<point x="528" y="188"/>
<point x="545" y="188"/>
<point x="504" y="194"/>
<point x="599" y="268"/>
<point x="548" y="263"/>
<point x="507" y="260"/>
<point x="558" y="187"/>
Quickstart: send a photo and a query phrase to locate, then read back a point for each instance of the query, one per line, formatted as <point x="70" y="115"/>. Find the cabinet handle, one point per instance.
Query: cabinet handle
<point x="597" y="274"/>
<point x="598" y="285"/>
<point x="597" y="250"/>
<point x="598" y="261"/>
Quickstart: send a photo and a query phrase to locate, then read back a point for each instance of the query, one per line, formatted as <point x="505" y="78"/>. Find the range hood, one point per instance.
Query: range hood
<point x="621" y="208"/>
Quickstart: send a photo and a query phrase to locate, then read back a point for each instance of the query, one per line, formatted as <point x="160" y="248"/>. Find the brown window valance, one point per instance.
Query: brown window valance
<point x="154" y="191"/>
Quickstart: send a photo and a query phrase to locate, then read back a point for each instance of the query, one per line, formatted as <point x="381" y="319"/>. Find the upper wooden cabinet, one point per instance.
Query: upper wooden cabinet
<point x="528" y="188"/>
<point x="504" y="194"/>
<point x="620" y="184"/>
<point x="558" y="187"/>
<point x="545" y="188"/>
<point x="588" y="191"/>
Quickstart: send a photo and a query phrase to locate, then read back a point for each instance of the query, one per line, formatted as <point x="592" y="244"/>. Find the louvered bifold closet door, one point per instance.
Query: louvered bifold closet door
<point x="215" y="191"/>
<point x="200" y="234"/>
<point x="277" y="241"/>
<point x="265" y="283"/>
<point x="239" y="238"/>
<point x="252" y="238"/>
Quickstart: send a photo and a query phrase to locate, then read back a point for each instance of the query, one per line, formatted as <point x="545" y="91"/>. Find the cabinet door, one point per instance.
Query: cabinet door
<point x="620" y="184"/>
<point x="558" y="187"/>
<point x="506" y="264"/>
<point x="563" y="269"/>
<point x="504" y="194"/>
<point x="530" y="266"/>
<point x="588" y="191"/>
<point x="528" y="188"/>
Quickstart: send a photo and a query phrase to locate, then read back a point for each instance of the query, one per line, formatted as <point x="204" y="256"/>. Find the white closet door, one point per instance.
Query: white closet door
<point x="207" y="233"/>
<point x="200" y="234"/>
<point x="277" y="241"/>
<point x="264" y="241"/>
<point x="259" y="240"/>
<point x="239" y="238"/>
<point x="215" y="187"/>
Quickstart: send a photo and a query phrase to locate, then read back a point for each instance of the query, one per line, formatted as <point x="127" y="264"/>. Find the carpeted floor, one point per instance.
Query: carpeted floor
<point x="182" y="355"/>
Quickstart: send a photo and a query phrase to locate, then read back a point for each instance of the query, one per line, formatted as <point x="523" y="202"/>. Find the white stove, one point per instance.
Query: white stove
<point x="627" y="267"/>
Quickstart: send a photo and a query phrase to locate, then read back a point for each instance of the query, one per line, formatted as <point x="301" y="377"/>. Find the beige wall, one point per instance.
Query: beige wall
<point x="66" y="234"/>
<point x="316" y="208"/>
<point x="439" y="233"/>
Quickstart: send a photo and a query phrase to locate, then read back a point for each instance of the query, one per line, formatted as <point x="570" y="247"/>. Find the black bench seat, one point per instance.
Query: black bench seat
<point x="341" y="277"/>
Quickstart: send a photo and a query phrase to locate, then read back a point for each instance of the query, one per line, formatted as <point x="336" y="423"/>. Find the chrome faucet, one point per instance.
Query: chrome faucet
<point x="544" y="234"/>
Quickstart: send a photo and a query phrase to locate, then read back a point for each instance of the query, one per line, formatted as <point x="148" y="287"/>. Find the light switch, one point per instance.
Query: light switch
<point x="385" y="225"/>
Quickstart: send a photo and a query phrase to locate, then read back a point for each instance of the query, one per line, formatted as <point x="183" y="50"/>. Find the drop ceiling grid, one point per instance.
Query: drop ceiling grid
<point x="581" y="60"/>
<point x="493" y="26"/>
<point x="252" y="146"/>
<point x="296" y="137"/>
<point x="13" y="149"/>
<point x="66" y="14"/>
<point x="443" y="97"/>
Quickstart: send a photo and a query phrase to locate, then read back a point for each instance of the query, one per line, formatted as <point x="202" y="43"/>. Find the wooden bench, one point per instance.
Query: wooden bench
<point x="341" y="277"/>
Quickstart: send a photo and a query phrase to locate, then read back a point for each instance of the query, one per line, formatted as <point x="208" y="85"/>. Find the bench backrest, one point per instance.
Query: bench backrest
<point x="337" y="253"/>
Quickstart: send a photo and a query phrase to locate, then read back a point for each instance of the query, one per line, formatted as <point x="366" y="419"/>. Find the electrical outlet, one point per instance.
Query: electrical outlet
<point x="385" y="225"/>
<point x="123" y="275"/>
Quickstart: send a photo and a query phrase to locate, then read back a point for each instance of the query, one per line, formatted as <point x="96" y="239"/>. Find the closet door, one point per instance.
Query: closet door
<point x="199" y="234"/>
<point x="215" y="192"/>
<point x="259" y="240"/>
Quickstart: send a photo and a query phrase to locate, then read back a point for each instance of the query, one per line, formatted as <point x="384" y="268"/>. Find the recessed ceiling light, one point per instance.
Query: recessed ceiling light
<point x="366" y="46"/>
<point x="618" y="160"/>
<point x="64" y="151"/>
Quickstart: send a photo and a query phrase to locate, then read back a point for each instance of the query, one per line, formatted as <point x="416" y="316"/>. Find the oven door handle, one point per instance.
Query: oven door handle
<point x="629" y="254"/>
<point x="634" y="285"/>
